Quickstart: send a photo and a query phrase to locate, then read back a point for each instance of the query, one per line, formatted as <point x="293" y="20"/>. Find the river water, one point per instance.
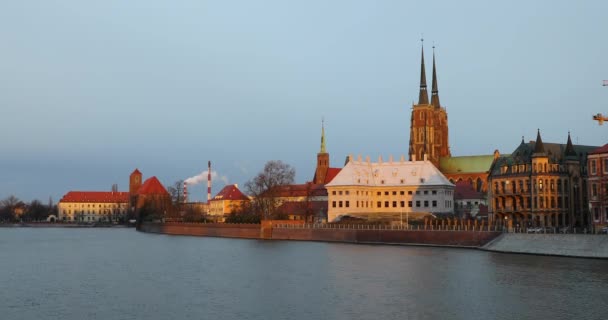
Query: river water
<point x="60" y="273"/>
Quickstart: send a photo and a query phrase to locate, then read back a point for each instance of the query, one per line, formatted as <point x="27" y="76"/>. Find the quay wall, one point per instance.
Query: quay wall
<point x="568" y="245"/>
<point x="295" y="231"/>
<point x="411" y="237"/>
<point x="247" y="231"/>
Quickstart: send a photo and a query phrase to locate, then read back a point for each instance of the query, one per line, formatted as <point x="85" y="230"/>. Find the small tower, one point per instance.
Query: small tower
<point x="134" y="182"/>
<point x="540" y="160"/>
<point x="322" y="159"/>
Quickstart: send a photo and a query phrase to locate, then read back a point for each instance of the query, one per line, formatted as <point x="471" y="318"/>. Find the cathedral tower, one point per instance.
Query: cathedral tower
<point x="429" y="122"/>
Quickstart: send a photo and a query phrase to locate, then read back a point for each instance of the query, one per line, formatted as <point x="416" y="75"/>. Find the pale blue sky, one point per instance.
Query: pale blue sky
<point x="90" y="90"/>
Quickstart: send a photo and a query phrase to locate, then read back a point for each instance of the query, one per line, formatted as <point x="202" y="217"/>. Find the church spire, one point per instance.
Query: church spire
<point x="323" y="149"/>
<point x="435" y="90"/>
<point x="569" y="152"/>
<point x="539" y="147"/>
<point x="423" y="98"/>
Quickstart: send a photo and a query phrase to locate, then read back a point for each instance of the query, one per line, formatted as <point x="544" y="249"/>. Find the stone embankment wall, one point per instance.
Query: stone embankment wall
<point x="570" y="245"/>
<point x="248" y="231"/>
<point x="295" y="231"/>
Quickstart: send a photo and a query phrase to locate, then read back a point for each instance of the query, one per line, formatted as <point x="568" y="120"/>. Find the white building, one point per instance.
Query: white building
<point x="389" y="190"/>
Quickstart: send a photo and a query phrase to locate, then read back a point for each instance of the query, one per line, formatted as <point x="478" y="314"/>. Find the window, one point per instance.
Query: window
<point x="333" y="192"/>
<point x="394" y="204"/>
<point x="418" y="204"/>
<point x="593" y="166"/>
<point x="418" y="192"/>
<point x="434" y="192"/>
<point x="340" y="192"/>
<point x="340" y="204"/>
<point x="346" y="192"/>
<point x="386" y="204"/>
<point x="386" y="193"/>
<point x="394" y="193"/>
<point x="409" y="193"/>
<point x="402" y="203"/>
<point x="401" y="193"/>
<point x="605" y="165"/>
<point x="379" y="193"/>
<point x="426" y="203"/>
<point x="347" y="204"/>
<point x="379" y="204"/>
<point x="434" y="203"/>
<point x="426" y="192"/>
<point x="594" y="189"/>
<point x="409" y="204"/>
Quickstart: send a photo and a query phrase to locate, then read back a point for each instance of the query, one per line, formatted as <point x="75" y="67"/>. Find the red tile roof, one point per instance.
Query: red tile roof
<point x="230" y="192"/>
<point x="95" y="196"/>
<point x="331" y="174"/>
<point x="603" y="149"/>
<point x="464" y="190"/>
<point x="152" y="187"/>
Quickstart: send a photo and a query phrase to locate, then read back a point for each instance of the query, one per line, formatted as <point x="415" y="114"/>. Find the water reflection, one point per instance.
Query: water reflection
<point x="123" y="274"/>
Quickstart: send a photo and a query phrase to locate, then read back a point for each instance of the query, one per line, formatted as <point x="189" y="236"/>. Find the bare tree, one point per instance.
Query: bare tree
<point x="264" y="187"/>
<point x="7" y="207"/>
<point x="177" y="192"/>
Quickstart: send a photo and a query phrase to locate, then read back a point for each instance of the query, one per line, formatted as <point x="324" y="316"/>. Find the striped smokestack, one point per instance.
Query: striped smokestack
<point x="209" y="182"/>
<point x="185" y="193"/>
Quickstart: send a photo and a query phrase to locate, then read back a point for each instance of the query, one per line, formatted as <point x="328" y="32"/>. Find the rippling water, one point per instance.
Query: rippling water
<point x="124" y="274"/>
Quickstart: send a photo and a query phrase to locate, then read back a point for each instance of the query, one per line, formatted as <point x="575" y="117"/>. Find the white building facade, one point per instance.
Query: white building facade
<point x="389" y="190"/>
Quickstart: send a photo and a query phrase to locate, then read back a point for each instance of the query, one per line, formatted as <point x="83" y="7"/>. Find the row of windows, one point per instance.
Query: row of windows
<point x="386" y="193"/>
<point x="539" y="185"/>
<point x="539" y="202"/>
<point x="595" y="189"/>
<point x="92" y="211"/>
<point x="122" y="205"/>
<point x="596" y="214"/>
<point x="388" y="204"/>
<point x="593" y="167"/>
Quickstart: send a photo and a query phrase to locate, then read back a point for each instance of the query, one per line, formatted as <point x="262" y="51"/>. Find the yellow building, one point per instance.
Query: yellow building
<point x="228" y="200"/>
<point x="93" y="206"/>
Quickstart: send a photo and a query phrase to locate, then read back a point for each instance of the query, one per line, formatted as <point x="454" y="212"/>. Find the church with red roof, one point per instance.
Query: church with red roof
<point x="113" y="206"/>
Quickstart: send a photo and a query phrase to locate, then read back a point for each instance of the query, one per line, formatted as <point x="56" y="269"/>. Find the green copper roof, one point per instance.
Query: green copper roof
<point x="466" y="164"/>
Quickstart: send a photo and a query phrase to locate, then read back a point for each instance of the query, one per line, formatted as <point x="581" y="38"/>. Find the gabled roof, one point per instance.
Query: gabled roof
<point x="230" y="192"/>
<point x="95" y="196"/>
<point x="152" y="187"/>
<point x="331" y="174"/>
<point x="391" y="173"/>
<point x="136" y="171"/>
<point x="602" y="149"/>
<point x="466" y="164"/>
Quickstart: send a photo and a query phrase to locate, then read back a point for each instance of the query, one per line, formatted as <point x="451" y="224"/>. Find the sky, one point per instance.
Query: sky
<point x="91" y="90"/>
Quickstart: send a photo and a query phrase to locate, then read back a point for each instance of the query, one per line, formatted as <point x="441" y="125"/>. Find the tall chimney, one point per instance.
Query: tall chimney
<point x="185" y="199"/>
<point x="209" y="182"/>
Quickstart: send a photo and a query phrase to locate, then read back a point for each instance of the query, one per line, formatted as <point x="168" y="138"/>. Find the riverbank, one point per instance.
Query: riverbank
<point x="61" y="225"/>
<point x="281" y="230"/>
<point x="564" y="245"/>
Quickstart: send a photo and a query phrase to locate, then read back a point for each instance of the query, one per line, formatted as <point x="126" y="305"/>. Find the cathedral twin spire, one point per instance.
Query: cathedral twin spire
<point x="423" y="97"/>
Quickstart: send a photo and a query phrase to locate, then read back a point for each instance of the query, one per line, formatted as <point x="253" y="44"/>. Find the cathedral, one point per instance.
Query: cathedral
<point x="429" y="137"/>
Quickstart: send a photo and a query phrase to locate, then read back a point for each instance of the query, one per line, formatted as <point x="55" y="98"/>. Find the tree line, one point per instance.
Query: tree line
<point x="12" y="209"/>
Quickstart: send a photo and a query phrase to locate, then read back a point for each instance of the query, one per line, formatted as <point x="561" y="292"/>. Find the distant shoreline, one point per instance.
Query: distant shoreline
<point x="60" y="225"/>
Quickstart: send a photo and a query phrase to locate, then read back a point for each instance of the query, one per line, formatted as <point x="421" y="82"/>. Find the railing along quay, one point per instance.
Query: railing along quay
<point x="386" y="227"/>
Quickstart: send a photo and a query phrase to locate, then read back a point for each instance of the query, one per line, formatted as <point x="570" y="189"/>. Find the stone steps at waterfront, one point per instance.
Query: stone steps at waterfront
<point x="569" y="245"/>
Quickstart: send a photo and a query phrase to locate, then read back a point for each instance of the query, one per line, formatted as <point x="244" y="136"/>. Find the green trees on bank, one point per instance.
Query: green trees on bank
<point x="12" y="209"/>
